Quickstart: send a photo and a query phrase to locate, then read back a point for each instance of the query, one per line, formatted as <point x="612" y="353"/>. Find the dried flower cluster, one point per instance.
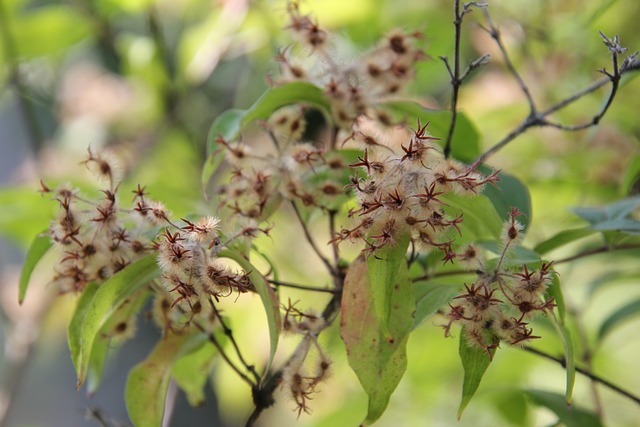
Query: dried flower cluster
<point x="98" y="238"/>
<point x="500" y="304"/>
<point x="297" y="171"/>
<point x="309" y="365"/>
<point x="354" y="88"/>
<point x="192" y="274"/>
<point x="401" y="193"/>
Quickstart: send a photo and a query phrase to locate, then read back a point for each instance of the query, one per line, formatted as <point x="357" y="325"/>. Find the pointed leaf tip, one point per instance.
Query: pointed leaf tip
<point x="475" y="362"/>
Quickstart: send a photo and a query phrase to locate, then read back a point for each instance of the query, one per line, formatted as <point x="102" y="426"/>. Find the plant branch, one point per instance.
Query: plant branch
<point x="213" y="340"/>
<point x="229" y="334"/>
<point x="428" y="276"/>
<point x="494" y="32"/>
<point x="303" y="287"/>
<point x="586" y="373"/>
<point x="599" y="250"/>
<point x="454" y="74"/>
<point x="311" y="242"/>
<point x="537" y="118"/>
<point x="263" y="394"/>
<point x="95" y="413"/>
<point x="332" y="232"/>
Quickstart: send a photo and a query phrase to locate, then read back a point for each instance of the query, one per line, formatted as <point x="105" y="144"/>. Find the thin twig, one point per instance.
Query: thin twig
<point x="454" y="74"/>
<point x="332" y="232"/>
<point x="229" y="334"/>
<point x="311" y="242"/>
<point x="96" y="414"/>
<point x="537" y="118"/>
<point x="586" y="373"/>
<point x="303" y="287"/>
<point x="615" y="82"/>
<point x="455" y="77"/>
<point x="428" y="276"/>
<point x="494" y="32"/>
<point x="599" y="250"/>
<point x="213" y="340"/>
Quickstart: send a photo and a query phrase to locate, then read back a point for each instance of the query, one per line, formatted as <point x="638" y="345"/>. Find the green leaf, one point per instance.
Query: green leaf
<point x="383" y="269"/>
<point x="267" y="295"/>
<point x="147" y="382"/>
<point x="104" y="344"/>
<point x="192" y="371"/>
<point x="39" y="247"/>
<point x="272" y="265"/>
<point x="623" y="314"/>
<point x="475" y="362"/>
<point x="627" y="225"/>
<point x="631" y="178"/>
<point x="74" y="330"/>
<point x="465" y="145"/>
<point x="48" y="29"/>
<point x="481" y="221"/>
<point x="563" y="238"/>
<point x="108" y="297"/>
<point x="430" y="297"/>
<point x="228" y="126"/>
<point x="287" y="94"/>
<point x="610" y="278"/>
<point x="376" y="349"/>
<point x="569" y="357"/>
<point x="24" y="213"/>
<point x="210" y="167"/>
<point x="231" y="123"/>
<point x="618" y="210"/>
<point x="512" y="405"/>
<point x="572" y="416"/>
<point x="555" y="290"/>
<point x="507" y="193"/>
<point x="97" y="362"/>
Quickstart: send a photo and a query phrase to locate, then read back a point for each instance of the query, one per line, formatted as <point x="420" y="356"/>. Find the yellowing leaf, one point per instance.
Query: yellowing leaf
<point x="191" y="372"/>
<point x="376" y="347"/>
<point x="148" y="381"/>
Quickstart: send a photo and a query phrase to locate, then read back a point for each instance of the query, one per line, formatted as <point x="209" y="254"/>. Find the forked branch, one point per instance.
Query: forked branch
<point x="537" y="118"/>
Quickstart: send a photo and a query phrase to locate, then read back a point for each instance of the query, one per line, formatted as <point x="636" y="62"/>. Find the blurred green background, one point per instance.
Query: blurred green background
<point x="147" y="78"/>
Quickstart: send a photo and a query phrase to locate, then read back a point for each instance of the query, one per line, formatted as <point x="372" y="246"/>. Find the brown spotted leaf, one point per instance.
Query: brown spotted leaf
<point x="376" y="347"/>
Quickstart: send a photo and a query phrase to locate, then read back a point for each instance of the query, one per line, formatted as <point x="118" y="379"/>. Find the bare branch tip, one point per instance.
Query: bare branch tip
<point x="483" y="60"/>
